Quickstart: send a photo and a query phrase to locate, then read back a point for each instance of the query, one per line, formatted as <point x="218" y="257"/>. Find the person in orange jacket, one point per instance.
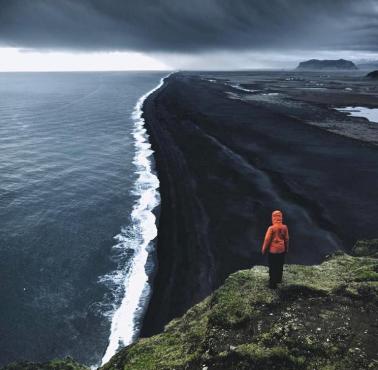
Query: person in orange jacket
<point x="276" y="244"/>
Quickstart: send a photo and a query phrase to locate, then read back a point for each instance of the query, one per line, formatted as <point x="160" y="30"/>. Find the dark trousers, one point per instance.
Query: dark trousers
<point x="276" y="262"/>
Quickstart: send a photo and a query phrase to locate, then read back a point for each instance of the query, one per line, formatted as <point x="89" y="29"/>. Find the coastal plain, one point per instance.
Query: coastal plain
<point x="231" y="147"/>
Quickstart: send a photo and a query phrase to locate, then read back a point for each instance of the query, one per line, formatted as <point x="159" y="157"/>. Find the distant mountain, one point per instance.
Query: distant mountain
<point x="373" y="75"/>
<point x="316" y="64"/>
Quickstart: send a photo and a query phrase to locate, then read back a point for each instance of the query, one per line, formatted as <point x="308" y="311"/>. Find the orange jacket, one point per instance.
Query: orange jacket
<point x="277" y="236"/>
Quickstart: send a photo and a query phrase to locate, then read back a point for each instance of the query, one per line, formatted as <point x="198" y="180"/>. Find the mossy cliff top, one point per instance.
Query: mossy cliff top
<point x="321" y="317"/>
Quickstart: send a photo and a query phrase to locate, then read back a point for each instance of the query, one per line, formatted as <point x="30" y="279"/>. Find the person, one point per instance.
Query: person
<point x="276" y="244"/>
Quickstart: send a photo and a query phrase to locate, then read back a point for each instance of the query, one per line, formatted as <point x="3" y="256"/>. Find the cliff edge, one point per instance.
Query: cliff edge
<point x="321" y="317"/>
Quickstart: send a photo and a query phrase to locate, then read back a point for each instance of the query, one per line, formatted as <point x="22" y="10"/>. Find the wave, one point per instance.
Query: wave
<point x="239" y="87"/>
<point x="130" y="282"/>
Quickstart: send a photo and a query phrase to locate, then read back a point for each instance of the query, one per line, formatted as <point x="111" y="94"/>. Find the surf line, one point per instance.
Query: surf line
<point x="134" y="283"/>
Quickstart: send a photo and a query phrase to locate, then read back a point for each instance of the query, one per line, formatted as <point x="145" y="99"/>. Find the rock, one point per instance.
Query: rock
<point x="367" y="248"/>
<point x="316" y="64"/>
<point x="373" y="75"/>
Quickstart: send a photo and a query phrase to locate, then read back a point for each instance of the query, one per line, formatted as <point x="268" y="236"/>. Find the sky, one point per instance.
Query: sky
<point x="183" y="34"/>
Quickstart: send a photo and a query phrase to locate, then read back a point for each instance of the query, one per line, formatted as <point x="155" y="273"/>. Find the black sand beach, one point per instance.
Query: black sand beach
<point x="227" y="158"/>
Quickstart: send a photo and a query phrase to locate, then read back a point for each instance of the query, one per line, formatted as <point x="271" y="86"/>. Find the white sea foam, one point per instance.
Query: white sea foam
<point x="237" y="86"/>
<point x="130" y="283"/>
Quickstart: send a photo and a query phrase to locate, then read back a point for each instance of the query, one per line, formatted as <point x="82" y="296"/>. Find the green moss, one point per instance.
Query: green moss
<point x="260" y="355"/>
<point x="240" y="298"/>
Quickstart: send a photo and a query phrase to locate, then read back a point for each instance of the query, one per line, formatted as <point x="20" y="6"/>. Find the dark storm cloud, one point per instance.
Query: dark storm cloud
<point x="189" y="25"/>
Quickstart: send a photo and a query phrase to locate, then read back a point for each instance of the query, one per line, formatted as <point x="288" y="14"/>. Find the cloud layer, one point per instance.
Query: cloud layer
<point x="190" y="26"/>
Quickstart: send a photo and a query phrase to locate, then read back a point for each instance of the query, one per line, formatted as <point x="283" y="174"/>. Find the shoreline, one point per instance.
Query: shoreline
<point x="139" y="237"/>
<point x="220" y="180"/>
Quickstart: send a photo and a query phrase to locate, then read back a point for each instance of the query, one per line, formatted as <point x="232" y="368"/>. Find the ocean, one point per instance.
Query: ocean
<point x="77" y="190"/>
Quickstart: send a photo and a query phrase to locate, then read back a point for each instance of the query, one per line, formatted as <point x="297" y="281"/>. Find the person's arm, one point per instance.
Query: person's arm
<point x="286" y="240"/>
<point x="267" y="240"/>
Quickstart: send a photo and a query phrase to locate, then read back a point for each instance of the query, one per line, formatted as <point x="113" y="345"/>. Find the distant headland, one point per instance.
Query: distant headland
<point x="316" y="64"/>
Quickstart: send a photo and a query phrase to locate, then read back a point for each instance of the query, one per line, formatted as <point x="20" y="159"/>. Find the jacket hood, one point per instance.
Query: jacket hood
<point x="276" y="217"/>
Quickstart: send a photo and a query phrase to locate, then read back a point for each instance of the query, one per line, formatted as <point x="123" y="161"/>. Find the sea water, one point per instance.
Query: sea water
<point x="77" y="190"/>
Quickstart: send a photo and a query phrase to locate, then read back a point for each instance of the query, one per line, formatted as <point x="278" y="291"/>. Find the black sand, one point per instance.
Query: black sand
<point x="224" y="165"/>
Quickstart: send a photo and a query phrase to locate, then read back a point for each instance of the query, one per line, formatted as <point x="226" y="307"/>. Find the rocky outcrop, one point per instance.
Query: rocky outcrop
<point x="321" y="317"/>
<point x="316" y="64"/>
<point x="373" y="75"/>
